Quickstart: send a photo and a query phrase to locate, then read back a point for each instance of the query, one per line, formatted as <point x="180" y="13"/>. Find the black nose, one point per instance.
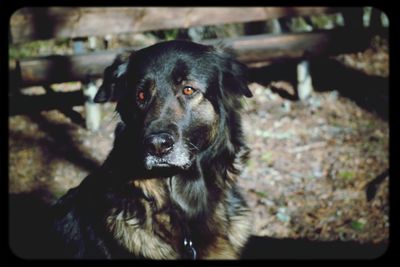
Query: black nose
<point x="159" y="144"/>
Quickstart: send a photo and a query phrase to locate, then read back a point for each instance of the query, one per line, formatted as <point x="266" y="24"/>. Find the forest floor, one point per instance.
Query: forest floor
<point x="309" y="166"/>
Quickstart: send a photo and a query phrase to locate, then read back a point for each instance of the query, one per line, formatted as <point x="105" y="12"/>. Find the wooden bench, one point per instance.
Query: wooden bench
<point x="29" y="24"/>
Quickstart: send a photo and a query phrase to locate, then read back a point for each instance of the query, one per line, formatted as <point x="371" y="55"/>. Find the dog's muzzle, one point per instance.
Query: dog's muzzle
<point x="163" y="151"/>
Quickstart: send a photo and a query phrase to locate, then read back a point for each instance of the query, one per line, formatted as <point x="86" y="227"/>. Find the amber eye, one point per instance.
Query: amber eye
<point x="188" y="90"/>
<point x="141" y="96"/>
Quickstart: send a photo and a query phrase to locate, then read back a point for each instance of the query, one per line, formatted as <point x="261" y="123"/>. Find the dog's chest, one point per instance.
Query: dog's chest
<point x="147" y="238"/>
<point x="142" y="223"/>
<point x="147" y="228"/>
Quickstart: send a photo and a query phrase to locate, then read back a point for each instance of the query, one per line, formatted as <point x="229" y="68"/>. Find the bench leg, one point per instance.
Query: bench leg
<point x="304" y="83"/>
<point x="92" y="109"/>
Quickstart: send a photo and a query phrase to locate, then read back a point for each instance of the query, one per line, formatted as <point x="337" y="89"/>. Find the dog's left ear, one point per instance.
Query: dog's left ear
<point x="237" y="78"/>
<point x="233" y="73"/>
<point x="113" y="79"/>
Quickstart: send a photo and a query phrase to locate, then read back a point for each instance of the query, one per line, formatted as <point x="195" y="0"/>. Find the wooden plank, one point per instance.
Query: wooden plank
<point x="56" y="69"/>
<point x="273" y="48"/>
<point x="27" y="104"/>
<point x="28" y="24"/>
<point x="248" y="49"/>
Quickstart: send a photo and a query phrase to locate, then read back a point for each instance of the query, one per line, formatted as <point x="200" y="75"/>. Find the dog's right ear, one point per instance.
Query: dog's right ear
<point x="113" y="79"/>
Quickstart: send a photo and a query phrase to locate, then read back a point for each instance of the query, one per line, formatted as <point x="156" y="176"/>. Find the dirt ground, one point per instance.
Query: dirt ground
<point x="307" y="175"/>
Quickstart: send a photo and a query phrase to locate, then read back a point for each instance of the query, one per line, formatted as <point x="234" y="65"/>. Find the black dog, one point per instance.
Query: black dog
<point x="167" y="189"/>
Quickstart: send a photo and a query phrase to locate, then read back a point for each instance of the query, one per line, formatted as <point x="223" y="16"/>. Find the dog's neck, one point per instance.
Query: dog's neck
<point x="189" y="192"/>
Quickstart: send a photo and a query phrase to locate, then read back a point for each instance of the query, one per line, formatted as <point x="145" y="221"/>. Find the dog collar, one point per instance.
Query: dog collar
<point x="189" y="250"/>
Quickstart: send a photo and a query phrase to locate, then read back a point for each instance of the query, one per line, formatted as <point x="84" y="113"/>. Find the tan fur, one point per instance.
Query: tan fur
<point x="221" y="249"/>
<point x="153" y="188"/>
<point x="157" y="239"/>
<point x="238" y="233"/>
<point x="139" y="239"/>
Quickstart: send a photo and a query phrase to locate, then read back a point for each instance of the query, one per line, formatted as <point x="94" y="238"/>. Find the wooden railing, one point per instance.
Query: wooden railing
<point x="29" y="24"/>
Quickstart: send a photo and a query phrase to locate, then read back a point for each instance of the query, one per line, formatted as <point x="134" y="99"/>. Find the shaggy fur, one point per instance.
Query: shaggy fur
<point x="171" y="175"/>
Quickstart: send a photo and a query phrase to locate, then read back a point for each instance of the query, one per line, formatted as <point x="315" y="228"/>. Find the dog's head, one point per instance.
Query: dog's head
<point x="179" y="97"/>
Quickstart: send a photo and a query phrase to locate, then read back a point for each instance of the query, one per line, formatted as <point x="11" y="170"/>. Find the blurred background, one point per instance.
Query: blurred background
<point x="317" y="125"/>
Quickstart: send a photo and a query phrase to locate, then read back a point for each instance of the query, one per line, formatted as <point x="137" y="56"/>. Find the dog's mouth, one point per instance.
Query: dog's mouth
<point x="178" y="158"/>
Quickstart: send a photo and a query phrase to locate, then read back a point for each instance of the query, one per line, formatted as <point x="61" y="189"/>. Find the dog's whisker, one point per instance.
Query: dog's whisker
<point x="191" y="144"/>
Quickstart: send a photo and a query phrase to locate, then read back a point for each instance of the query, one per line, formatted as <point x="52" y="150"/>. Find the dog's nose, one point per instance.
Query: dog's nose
<point x="159" y="144"/>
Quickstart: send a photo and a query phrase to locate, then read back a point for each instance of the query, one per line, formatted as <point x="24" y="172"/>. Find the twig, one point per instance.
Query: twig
<point x="300" y="149"/>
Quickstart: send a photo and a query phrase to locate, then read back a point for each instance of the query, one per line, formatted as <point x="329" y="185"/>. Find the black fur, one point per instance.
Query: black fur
<point x="198" y="170"/>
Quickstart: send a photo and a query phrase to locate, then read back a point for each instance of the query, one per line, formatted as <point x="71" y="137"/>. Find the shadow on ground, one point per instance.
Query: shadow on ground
<point x="367" y="91"/>
<point x="272" y="248"/>
<point x="63" y="144"/>
<point x="29" y="223"/>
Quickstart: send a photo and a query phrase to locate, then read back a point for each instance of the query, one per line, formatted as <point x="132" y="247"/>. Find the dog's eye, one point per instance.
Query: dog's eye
<point x="188" y="90"/>
<point x="141" y="96"/>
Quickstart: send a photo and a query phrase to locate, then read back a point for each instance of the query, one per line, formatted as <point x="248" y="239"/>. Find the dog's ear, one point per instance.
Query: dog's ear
<point x="237" y="78"/>
<point x="233" y="73"/>
<point x="113" y="79"/>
